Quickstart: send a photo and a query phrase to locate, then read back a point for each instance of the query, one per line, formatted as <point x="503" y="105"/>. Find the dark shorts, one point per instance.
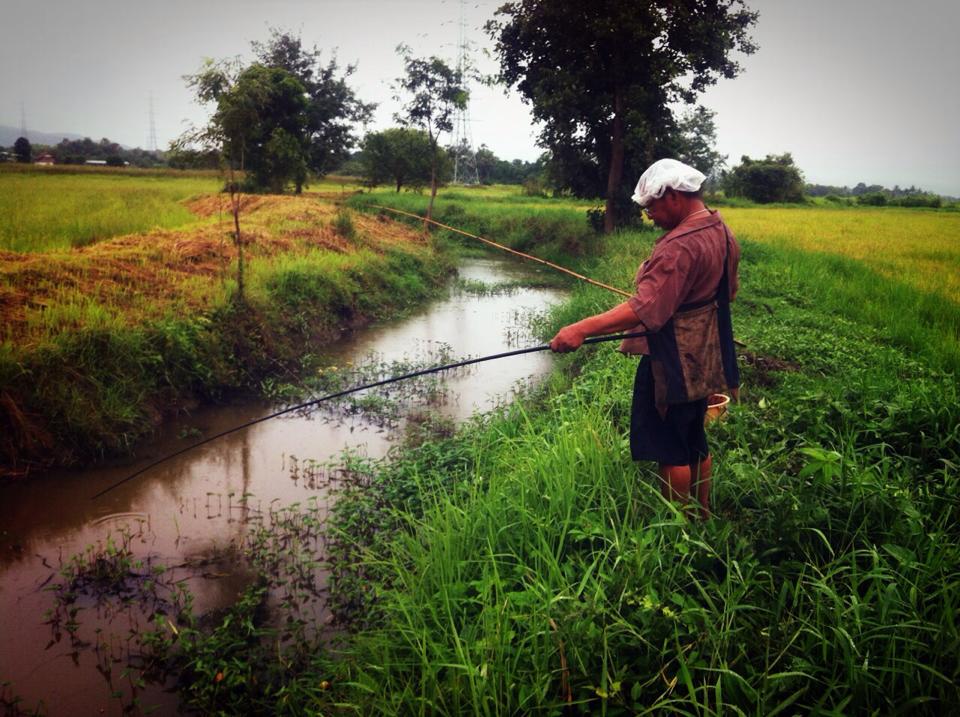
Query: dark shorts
<point x="676" y="440"/>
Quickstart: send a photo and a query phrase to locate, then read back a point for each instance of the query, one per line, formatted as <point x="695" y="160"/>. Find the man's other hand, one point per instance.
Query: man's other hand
<point x="567" y="339"/>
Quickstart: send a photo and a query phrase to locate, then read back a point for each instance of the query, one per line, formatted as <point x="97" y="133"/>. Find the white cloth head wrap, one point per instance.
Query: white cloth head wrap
<point x="666" y="174"/>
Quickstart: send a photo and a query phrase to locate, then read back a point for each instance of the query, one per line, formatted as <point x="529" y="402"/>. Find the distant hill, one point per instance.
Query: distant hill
<point x="9" y="135"/>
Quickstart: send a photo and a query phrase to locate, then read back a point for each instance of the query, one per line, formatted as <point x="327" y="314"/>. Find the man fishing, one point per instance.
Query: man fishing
<point x="683" y="294"/>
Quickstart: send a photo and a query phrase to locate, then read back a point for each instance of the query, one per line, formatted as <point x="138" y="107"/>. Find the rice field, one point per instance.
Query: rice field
<point x="915" y="246"/>
<point x="41" y="211"/>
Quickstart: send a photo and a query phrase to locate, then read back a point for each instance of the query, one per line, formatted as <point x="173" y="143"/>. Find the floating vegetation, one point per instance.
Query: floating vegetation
<point x="12" y="705"/>
<point x="110" y="580"/>
<point x="476" y="287"/>
<point x="525" y="328"/>
<point x="317" y="475"/>
<point x="276" y="622"/>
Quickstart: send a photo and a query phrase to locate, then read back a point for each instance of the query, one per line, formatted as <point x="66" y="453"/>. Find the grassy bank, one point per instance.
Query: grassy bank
<point x="101" y="341"/>
<point x="528" y="566"/>
<point x="553" y="229"/>
<point x="893" y="269"/>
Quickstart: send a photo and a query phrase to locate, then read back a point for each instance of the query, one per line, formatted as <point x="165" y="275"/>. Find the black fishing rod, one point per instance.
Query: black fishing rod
<point x="384" y="382"/>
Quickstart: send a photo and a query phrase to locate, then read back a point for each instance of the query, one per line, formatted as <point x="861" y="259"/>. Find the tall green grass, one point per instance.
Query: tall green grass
<point x="42" y="212"/>
<point x="924" y="323"/>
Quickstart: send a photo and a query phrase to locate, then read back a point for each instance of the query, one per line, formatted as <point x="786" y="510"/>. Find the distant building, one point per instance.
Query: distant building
<point x="44" y="159"/>
<point x="97" y="162"/>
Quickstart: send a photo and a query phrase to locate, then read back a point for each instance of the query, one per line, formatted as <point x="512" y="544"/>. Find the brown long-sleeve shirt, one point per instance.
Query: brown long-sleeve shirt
<point x="685" y="268"/>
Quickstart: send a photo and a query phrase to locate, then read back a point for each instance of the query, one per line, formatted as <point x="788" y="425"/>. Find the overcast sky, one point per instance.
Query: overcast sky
<point x="856" y="90"/>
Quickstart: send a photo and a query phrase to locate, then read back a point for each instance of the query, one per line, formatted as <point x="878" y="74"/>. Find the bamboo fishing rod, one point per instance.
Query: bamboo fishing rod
<point x="338" y="394"/>
<point x="520" y="254"/>
<point x="508" y="249"/>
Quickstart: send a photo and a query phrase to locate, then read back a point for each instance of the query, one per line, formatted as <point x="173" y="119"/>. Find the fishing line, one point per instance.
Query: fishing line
<point x="338" y="394"/>
<point x="508" y="249"/>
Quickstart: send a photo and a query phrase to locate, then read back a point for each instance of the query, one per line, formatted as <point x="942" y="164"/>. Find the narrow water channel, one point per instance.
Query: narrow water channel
<point x="193" y="506"/>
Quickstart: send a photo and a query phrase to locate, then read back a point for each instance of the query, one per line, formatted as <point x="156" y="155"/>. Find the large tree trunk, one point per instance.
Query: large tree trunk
<point x="616" y="163"/>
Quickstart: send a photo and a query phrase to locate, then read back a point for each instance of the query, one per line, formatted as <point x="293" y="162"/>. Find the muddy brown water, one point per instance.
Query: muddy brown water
<point x="191" y="508"/>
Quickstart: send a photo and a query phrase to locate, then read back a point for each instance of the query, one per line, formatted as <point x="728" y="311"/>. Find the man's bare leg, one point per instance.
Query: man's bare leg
<point x="675" y="482"/>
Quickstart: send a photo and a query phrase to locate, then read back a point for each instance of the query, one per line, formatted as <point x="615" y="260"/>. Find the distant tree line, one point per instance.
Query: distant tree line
<point x="78" y="151"/>
<point x="777" y="179"/>
<point x="400" y="157"/>
<point x="493" y="170"/>
<point x="875" y="195"/>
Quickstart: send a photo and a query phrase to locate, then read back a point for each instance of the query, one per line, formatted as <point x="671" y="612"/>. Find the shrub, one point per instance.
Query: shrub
<point x="918" y="200"/>
<point x="343" y="225"/>
<point x="873" y="199"/>
<point x="772" y="179"/>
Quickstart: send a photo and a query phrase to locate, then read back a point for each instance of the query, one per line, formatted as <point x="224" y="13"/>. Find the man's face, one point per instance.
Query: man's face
<point x="665" y="212"/>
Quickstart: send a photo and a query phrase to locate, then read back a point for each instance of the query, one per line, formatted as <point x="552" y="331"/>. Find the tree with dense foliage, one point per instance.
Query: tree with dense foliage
<point x="433" y="91"/>
<point x="601" y="77"/>
<point x="400" y="156"/>
<point x="22" y="150"/>
<point x="772" y="179"/>
<point x="863" y="188"/>
<point x="180" y="157"/>
<point x="697" y="140"/>
<point x="332" y="108"/>
<point x="872" y="199"/>
<point x="280" y="117"/>
<point x="257" y="127"/>
<point x="258" y="124"/>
